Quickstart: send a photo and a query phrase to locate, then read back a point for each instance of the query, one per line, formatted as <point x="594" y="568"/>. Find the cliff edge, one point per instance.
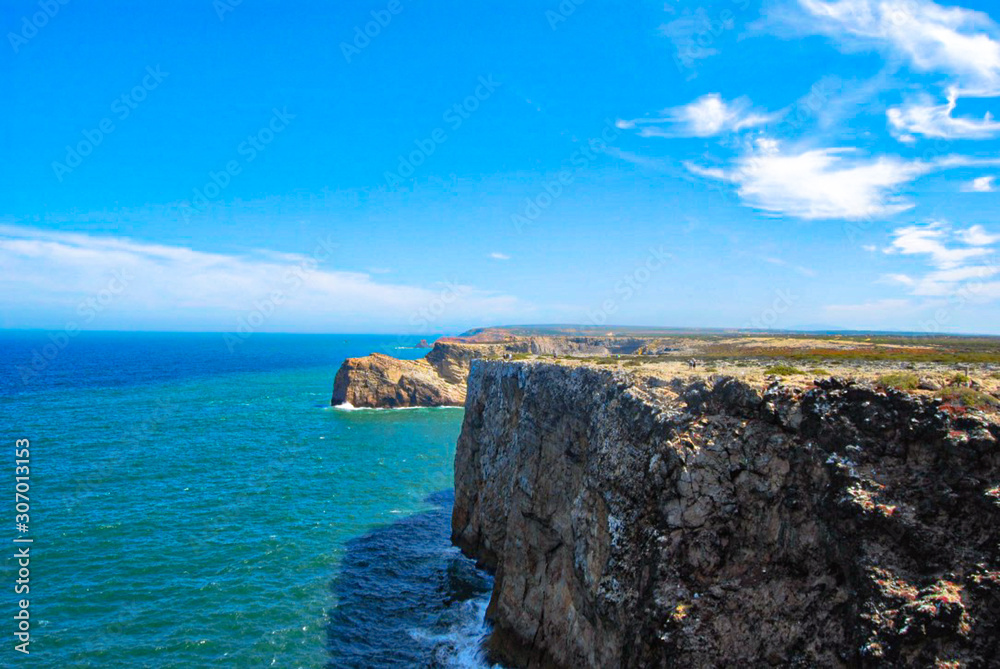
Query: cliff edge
<point x="381" y="381"/>
<point x="640" y="521"/>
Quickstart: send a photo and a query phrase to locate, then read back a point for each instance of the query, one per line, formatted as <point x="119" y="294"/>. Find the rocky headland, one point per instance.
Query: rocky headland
<point x="381" y="381"/>
<point x="438" y="379"/>
<point x="656" y="516"/>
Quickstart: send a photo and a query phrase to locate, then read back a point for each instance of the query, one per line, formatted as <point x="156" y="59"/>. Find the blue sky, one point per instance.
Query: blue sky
<point x="268" y="166"/>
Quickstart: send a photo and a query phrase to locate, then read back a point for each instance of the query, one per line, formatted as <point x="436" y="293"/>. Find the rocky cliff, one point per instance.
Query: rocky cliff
<point x="382" y="381"/>
<point x="379" y="380"/>
<point x="645" y="522"/>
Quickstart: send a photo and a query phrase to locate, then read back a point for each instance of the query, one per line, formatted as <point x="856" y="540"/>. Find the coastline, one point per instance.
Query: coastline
<point x="346" y="406"/>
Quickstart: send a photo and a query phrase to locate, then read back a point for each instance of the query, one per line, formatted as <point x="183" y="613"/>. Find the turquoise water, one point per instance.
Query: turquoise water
<point x="193" y="507"/>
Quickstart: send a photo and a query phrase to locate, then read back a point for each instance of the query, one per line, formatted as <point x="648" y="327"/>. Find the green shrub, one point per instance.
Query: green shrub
<point x="969" y="398"/>
<point x="958" y="379"/>
<point x="783" y="370"/>
<point x="819" y="371"/>
<point x="899" y="380"/>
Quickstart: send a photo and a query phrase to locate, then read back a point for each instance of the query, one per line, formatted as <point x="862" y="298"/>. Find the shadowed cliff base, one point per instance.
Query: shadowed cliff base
<point x="405" y="597"/>
<point x="636" y="520"/>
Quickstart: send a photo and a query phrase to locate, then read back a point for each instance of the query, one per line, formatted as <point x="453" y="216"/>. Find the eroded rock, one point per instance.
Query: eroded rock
<point x="382" y="381"/>
<point x="634" y="523"/>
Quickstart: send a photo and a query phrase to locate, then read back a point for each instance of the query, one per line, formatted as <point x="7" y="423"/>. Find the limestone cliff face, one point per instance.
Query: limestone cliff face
<point x="385" y="382"/>
<point x="639" y="522"/>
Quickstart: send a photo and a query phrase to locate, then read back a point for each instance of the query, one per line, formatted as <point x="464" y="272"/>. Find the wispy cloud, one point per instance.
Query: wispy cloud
<point x="925" y="118"/>
<point x="685" y="33"/>
<point x="830" y="183"/>
<point x="499" y="256"/>
<point x="959" y="43"/>
<point x="175" y="286"/>
<point x="984" y="184"/>
<point x="955" y="257"/>
<point x="804" y="271"/>
<point x="931" y="240"/>
<point x="707" y="116"/>
<point x="976" y="236"/>
<point x="901" y="279"/>
<point x="929" y="37"/>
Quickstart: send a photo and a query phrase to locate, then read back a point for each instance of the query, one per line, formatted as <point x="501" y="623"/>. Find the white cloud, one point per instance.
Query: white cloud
<point x="925" y="118"/>
<point x="898" y="278"/>
<point x="828" y="183"/>
<point x="932" y="38"/>
<point x="174" y="286"/>
<point x="960" y="260"/>
<point x="960" y="43"/>
<point x="819" y="184"/>
<point x="932" y="241"/>
<point x="499" y="256"/>
<point x="949" y="282"/>
<point x="981" y="185"/>
<point x="976" y="236"/>
<point x="707" y="116"/>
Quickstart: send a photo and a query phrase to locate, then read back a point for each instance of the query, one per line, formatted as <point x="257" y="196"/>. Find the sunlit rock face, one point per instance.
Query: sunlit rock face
<point x="385" y="382"/>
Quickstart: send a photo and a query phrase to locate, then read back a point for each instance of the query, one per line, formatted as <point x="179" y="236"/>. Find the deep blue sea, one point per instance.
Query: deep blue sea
<point x="194" y="505"/>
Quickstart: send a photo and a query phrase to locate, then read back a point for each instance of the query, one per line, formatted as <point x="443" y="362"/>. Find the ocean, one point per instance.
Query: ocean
<point x="198" y="503"/>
